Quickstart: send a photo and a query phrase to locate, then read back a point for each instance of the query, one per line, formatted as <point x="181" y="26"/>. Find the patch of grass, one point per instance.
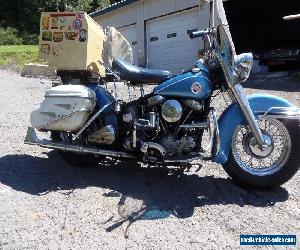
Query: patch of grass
<point x="18" y="55"/>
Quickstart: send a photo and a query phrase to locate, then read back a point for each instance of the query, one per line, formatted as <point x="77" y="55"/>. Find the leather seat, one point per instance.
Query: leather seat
<point x="138" y="75"/>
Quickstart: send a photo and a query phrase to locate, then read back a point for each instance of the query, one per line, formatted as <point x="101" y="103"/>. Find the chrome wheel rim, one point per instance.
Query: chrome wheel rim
<point x="271" y="158"/>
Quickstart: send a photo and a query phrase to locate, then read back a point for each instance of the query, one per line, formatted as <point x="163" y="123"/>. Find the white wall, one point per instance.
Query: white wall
<point x="139" y="12"/>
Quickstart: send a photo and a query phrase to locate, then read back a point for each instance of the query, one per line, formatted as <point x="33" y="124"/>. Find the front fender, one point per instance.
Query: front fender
<point x="233" y="116"/>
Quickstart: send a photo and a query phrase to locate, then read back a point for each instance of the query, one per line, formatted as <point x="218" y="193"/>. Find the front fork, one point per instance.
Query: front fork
<point x="242" y="100"/>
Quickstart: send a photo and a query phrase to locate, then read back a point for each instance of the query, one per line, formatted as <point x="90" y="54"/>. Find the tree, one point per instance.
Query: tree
<point x="86" y="5"/>
<point x="24" y="15"/>
<point x="104" y="3"/>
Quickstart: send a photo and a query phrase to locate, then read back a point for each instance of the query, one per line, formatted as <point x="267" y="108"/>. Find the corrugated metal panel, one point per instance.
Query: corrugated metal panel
<point x="156" y="8"/>
<point x="180" y="5"/>
<point x="119" y="18"/>
<point x="113" y="7"/>
<point x="144" y="10"/>
<point x="150" y="9"/>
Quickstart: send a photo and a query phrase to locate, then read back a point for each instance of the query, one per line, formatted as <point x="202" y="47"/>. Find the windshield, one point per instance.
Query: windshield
<point x="225" y="44"/>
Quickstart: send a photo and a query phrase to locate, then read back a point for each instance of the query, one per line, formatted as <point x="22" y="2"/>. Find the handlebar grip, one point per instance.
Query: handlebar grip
<point x="200" y="33"/>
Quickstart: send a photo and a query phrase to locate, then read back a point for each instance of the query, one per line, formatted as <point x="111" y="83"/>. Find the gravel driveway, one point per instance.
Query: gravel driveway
<point x="46" y="204"/>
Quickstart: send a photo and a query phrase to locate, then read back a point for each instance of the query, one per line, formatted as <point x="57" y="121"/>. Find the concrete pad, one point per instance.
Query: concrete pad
<point x="38" y="70"/>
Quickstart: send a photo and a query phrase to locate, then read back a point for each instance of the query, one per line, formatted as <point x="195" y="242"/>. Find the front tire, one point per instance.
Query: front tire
<point x="250" y="167"/>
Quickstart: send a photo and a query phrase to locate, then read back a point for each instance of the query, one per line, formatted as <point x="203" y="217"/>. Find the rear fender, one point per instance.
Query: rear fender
<point x="233" y="116"/>
<point x="104" y="98"/>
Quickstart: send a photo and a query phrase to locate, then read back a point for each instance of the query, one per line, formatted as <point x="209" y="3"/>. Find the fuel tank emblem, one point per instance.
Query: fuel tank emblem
<point x="196" y="88"/>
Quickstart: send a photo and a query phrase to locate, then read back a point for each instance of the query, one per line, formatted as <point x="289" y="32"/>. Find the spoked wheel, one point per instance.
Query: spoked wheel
<point x="271" y="165"/>
<point x="75" y="159"/>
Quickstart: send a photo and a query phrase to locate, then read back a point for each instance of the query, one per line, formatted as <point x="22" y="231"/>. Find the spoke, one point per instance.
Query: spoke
<point x="270" y="160"/>
<point x="267" y="124"/>
<point x="280" y="137"/>
<point x="251" y="161"/>
<point x="240" y="138"/>
<point x="274" y="133"/>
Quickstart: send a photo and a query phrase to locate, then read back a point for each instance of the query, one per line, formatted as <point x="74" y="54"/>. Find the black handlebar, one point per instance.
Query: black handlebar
<point x="200" y="33"/>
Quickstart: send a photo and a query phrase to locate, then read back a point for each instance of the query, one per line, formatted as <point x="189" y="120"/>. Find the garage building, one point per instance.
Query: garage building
<point x="158" y="30"/>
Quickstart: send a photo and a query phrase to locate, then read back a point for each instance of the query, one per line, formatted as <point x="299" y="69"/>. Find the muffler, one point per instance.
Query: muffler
<point x="32" y="139"/>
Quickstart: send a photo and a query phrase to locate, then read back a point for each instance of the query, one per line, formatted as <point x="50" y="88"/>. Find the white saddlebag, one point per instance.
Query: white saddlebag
<point x="65" y="108"/>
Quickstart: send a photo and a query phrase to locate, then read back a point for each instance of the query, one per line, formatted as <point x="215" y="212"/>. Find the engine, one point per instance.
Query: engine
<point x="173" y="145"/>
<point x="167" y="127"/>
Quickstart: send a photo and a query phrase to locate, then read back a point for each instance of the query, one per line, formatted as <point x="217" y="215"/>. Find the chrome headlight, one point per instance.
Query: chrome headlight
<point x="243" y="65"/>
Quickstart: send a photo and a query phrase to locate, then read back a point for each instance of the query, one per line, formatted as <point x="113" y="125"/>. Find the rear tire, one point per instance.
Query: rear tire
<point x="75" y="159"/>
<point x="267" y="177"/>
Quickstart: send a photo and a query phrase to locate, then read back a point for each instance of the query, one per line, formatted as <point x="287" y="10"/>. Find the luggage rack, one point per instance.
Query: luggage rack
<point x="76" y="77"/>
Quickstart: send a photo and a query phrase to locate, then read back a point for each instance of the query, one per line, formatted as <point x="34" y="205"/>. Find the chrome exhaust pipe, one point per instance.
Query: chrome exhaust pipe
<point x="32" y="139"/>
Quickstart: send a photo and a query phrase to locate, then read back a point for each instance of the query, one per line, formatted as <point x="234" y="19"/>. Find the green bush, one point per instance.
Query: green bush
<point x="9" y="36"/>
<point x="30" y="39"/>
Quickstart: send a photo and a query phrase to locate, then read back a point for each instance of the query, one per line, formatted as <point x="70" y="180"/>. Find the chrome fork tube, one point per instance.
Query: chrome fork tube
<point x="242" y="100"/>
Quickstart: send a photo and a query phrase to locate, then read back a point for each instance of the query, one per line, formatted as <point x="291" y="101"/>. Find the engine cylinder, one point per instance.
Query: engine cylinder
<point x="172" y="111"/>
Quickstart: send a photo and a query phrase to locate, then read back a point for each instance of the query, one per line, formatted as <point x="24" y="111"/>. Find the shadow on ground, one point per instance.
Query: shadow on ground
<point x="144" y="193"/>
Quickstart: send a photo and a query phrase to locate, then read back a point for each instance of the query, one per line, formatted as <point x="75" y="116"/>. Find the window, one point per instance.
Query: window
<point x="171" y="35"/>
<point x="153" y="39"/>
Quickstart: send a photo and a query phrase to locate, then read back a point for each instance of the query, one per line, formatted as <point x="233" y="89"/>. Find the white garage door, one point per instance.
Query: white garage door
<point x="168" y="44"/>
<point x="129" y="32"/>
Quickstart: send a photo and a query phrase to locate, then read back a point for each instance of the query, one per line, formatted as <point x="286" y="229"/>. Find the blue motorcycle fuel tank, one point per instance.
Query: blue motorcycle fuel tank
<point x="190" y="85"/>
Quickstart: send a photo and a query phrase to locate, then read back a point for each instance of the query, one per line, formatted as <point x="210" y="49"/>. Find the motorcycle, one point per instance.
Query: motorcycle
<point x="255" y="139"/>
